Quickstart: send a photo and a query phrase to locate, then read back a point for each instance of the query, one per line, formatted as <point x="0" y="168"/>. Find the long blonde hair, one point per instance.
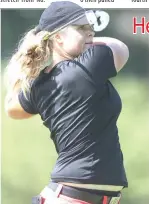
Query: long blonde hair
<point x="33" y="52"/>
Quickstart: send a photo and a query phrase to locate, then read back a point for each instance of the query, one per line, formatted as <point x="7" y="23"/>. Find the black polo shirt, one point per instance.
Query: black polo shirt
<point x="80" y="106"/>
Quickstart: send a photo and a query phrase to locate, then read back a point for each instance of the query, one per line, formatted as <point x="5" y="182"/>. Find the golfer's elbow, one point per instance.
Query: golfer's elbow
<point x="119" y="49"/>
<point x="121" y="54"/>
<point x="12" y="112"/>
<point x="15" y="111"/>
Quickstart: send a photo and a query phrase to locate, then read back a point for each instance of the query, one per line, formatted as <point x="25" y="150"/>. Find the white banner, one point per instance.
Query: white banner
<point x="84" y="3"/>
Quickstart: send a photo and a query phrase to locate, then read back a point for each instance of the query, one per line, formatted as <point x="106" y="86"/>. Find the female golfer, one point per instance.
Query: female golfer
<point x="61" y="72"/>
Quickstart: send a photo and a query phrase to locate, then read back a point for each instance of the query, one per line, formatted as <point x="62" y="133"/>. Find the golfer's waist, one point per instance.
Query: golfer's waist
<point x="94" y="186"/>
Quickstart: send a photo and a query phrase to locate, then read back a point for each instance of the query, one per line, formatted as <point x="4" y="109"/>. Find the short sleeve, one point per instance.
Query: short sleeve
<point x="27" y="102"/>
<point x="99" y="61"/>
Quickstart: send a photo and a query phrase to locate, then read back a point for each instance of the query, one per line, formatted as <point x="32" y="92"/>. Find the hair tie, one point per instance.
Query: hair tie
<point x="46" y="37"/>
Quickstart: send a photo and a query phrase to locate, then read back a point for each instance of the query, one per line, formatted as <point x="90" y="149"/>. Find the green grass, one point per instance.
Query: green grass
<point x="28" y="154"/>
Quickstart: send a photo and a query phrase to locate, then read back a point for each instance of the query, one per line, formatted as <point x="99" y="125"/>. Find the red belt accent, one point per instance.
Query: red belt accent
<point x="42" y="200"/>
<point x="105" y="200"/>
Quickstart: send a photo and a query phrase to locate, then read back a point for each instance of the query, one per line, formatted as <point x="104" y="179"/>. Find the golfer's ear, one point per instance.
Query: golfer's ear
<point x="58" y="38"/>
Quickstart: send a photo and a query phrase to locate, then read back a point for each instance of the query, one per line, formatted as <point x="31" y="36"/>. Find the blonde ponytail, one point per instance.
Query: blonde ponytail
<point x="33" y="52"/>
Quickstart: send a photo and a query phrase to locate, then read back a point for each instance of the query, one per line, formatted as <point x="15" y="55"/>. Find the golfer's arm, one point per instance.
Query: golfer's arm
<point x="13" y="108"/>
<point x="119" y="49"/>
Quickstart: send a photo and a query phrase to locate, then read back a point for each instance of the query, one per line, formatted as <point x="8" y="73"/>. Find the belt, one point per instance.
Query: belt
<point x="95" y="186"/>
<point x="79" y="194"/>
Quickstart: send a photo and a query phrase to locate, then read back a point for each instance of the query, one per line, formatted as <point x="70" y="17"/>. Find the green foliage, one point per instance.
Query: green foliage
<point x="28" y="154"/>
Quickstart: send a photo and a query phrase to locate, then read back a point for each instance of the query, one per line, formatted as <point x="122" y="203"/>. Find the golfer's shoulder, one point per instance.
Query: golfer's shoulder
<point x="98" y="56"/>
